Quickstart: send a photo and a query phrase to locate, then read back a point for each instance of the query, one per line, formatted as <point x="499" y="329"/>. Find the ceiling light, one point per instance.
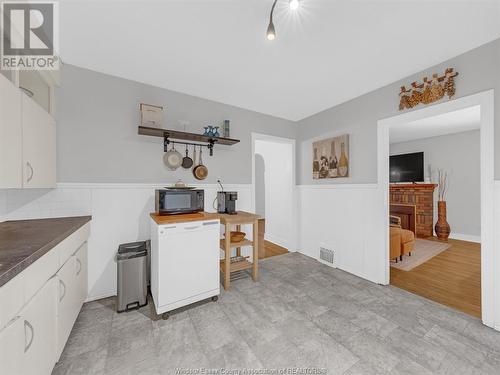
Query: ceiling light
<point x="294" y="4"/>
<point x="271" y="33"/>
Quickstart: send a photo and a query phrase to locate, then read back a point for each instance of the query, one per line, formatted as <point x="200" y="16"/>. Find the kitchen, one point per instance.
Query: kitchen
<point x="160" y="211"/>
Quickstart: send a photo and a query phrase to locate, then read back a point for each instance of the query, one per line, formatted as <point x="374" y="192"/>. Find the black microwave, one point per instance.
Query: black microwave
<point x="178" y="201"/>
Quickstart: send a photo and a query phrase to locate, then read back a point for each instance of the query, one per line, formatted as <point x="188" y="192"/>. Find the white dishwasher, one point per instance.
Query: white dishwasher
<point x="184" y="263"/>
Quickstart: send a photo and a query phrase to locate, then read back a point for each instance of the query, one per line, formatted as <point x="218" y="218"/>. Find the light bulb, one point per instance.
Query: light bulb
<point x="294" y="4"/>
<point x="271" y="33"/>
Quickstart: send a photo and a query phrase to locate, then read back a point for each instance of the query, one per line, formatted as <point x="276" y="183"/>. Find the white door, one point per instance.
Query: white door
<point x="39" y="323"/>
<point x="81" y="274"/>
<point x="12" y="347"/>
<point x="39" y="146"/>
<point x="188" y="261"/>
<point x="11" y="156"/>
<point x="67" y="305"/>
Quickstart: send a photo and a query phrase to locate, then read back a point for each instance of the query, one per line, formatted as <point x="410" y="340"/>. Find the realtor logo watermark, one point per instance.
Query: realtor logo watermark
<point x="29" y="35"/>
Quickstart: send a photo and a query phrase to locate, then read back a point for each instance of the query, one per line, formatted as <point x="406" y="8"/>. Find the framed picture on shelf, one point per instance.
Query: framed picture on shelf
<point x="331" y="157"/>
<point x="151" y="115"/>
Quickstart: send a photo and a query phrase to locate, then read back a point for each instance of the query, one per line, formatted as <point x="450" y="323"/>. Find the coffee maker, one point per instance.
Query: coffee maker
<point x="226" y="202"/>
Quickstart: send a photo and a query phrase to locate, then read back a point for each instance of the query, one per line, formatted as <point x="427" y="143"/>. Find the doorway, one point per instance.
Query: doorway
<point x="444" y="267"/>
<point x="273" y="183"/>
<point x="489" y="315"/>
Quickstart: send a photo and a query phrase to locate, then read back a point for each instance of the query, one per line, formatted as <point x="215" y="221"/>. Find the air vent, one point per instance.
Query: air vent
<point x="327" y="255"/>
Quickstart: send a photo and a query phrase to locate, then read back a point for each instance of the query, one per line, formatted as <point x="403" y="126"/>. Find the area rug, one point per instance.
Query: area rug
<point x="423" y="251"/>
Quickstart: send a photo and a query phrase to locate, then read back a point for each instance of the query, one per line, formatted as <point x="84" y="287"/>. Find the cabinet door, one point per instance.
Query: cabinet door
<point x="39" y="325"/>
<point x="12" y="347"/>
<point x="11" y="156"/>
<point x="81" y="274"/>
<point x="39" y="146"/>
<point x="67" y="309"/>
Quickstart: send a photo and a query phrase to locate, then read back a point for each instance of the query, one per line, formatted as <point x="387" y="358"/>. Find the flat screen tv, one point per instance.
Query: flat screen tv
<point x="407" y="167"/>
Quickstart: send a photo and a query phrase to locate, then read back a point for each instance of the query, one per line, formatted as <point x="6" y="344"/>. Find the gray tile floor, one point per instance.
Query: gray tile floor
<point x="300" y="314"/>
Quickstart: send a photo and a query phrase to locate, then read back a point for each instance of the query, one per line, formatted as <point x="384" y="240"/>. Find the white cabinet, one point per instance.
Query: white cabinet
<point x="12" y="347"/>
<point x="10" y="135"/>
<point x="39" y="146"/>
<point x="67" y="306"/>
<point x="82" y="273"/>
<point x="72" y="280"/>
<point x="27" y="141"/>
<point x="39" y="320"/>
<point x="39" y="307"/>
<point x="27" y="344"/>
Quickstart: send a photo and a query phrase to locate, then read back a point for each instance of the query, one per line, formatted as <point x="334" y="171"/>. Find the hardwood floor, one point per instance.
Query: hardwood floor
<point x="452" y="278"/>
<point x="273" y="249"/>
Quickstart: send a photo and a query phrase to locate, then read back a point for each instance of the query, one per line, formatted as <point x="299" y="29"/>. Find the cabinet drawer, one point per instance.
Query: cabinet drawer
<point x="37" y="274"/>
<point x="70" y="245"/>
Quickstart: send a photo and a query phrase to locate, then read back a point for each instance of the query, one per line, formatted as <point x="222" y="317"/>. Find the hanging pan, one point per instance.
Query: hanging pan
<point x="172" y="158"/>
<point x="200" y="172"/>
<point x="187" y="162"/>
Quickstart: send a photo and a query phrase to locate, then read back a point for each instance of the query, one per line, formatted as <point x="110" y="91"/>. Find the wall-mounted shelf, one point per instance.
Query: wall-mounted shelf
<point x="193" y="137"/>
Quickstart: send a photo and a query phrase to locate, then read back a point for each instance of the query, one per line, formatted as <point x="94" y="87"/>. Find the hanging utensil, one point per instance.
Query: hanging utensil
<point x="187" y="162"/>
<point x="200" y="172"/>
<point x="172" y="158"/>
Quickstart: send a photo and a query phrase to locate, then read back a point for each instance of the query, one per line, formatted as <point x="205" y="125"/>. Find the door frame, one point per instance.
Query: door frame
<point x="490" y="280"/>
<point x="293" y="238"/>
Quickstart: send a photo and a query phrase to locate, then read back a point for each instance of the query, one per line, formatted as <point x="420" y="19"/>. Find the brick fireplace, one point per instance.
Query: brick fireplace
<point x="422" y="197"/>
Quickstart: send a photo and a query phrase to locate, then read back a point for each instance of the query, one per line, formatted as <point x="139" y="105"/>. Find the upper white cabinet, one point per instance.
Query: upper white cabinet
<point x="10" y="135"/>
<point x="39" y="146"/>
<point x="27" y="140"/>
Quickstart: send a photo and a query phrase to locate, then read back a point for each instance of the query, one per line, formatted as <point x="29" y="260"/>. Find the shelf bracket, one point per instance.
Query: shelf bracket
<point x="211" y="147"/>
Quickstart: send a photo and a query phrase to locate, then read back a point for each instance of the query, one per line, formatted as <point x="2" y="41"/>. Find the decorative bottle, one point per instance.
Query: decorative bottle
<point x="343" y="165"/>
<point x="315" y="164"/>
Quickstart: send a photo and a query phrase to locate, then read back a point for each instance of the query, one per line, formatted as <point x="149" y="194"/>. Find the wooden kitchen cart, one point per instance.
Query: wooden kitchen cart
<point x="241" y="218"/>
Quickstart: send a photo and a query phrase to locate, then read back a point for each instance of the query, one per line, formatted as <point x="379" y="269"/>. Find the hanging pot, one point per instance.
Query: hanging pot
<point x="172" y="158"/>
<point x="200" y="172"/>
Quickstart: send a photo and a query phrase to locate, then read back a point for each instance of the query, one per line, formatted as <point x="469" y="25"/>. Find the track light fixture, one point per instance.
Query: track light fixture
<point x="271" y="32"/>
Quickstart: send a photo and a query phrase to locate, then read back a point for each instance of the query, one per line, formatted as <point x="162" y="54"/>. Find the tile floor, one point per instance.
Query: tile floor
<point x="300" y="314"/>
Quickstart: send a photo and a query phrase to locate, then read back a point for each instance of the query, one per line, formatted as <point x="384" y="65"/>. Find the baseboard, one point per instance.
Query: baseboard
<point x="465" y="237"/>
<point x="98" y="297"/>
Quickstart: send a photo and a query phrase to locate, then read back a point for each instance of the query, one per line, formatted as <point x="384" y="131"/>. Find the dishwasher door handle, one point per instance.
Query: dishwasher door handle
<point x="192" y="227"/>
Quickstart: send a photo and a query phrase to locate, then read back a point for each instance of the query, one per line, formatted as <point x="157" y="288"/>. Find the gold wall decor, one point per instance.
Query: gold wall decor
<point x="428" y="91"/>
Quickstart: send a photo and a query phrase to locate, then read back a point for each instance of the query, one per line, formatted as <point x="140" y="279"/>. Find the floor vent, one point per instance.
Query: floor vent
<point x="327" y="255"/>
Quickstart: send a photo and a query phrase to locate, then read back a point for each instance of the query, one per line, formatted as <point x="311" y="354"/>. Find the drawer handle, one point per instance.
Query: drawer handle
<point x="79" y="262"/>
<point x="30" y="176"/>
<point x="27" y="344"/>
<point x="61" y="283"/>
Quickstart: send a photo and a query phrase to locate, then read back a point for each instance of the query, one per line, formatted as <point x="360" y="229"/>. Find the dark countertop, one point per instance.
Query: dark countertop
<point x="22" y="242"/>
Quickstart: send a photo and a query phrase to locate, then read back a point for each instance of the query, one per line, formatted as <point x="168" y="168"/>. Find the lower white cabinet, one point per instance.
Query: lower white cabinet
<point x="27" y="344"/>
<point x="72" y="280"/>
<point x="66" y="303"/>
<point x="82" y="273"/>
<point x="39" y="323"/>
<point x="43" y="304"/>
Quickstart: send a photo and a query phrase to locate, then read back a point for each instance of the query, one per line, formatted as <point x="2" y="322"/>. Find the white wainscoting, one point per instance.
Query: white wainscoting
<point x="120" y="214"/>
<point x="345" y="218"/>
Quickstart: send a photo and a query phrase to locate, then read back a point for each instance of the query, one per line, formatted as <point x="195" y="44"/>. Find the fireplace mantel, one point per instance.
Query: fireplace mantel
<point x="420" y="195"/>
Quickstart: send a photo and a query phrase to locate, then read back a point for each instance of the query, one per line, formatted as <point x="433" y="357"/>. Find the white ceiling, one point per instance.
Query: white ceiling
<point x="325" y="53"/>
<point x="448" y="123"/>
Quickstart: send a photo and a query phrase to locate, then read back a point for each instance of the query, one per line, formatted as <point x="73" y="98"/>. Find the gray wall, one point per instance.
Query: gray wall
<point x="97" y="140"/>
<point x="458" y="154"/>
<point x="479" y="71"/>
